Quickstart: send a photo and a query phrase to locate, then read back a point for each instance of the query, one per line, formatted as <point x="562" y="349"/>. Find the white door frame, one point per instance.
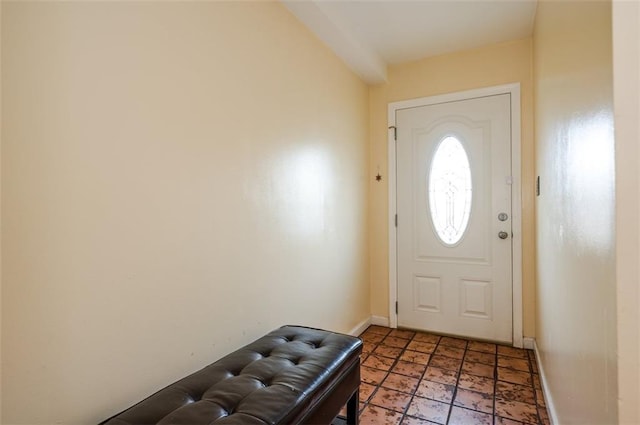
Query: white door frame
<point x="516" y="194"/>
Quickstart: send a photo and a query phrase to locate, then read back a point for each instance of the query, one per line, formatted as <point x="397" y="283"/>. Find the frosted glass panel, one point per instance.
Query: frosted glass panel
<point x="450" y="190"/>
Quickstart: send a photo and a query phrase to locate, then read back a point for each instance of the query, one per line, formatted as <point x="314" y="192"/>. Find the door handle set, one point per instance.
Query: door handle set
<point x="503" y="217"/>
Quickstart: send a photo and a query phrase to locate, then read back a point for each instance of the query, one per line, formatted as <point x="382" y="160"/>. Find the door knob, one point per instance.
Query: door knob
<point x="503" y="235"/>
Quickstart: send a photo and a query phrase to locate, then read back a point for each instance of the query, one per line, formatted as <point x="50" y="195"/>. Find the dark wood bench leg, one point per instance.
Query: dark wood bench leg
<point x="352" y="408"/>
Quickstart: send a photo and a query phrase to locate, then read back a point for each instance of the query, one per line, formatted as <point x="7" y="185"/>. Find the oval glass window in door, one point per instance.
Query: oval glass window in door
<point x="450" y="190"/>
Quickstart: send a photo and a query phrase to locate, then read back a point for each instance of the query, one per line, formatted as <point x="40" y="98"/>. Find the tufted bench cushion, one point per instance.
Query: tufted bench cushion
<point x="292" y="375"/>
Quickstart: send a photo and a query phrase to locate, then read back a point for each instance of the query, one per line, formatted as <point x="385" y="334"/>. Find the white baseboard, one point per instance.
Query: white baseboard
<point x="553" y="416"/>
<point x="380" y="321"/>
<point x="360" y="327"/>
<point x="373" y="320"/>
<point x="528" y="343"/>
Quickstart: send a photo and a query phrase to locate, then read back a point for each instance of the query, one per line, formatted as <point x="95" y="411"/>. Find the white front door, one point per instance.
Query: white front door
<point x="454" y="217"/>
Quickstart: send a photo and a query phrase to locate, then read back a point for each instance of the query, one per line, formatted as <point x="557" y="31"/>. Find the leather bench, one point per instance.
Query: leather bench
<point x="293" y="375"/>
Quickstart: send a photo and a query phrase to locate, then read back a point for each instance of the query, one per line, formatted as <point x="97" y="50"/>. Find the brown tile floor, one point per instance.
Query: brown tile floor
<point x="419" y="378"/>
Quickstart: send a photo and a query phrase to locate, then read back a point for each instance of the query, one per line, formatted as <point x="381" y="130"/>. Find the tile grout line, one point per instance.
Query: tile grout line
<point x="413" y="393"/>
<point x="535" y="390"/>
<point x="404" y="349"/>
<point x="366" y="403"/>
<point x="455" y="389"/>
<point x="495" y="384"/>
<point x="422" y="376"/>
<point x="387" y="372"/>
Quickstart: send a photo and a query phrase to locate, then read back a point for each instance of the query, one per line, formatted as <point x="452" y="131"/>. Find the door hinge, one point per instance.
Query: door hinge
<point x="395" y="132"/>
<point x="396" y="307"/>
<point x="396" y="220"/>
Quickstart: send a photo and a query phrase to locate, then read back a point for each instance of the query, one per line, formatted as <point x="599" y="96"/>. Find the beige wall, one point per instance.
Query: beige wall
<point x="576" y="320"/>
<point x="177" y="179"/>
<point x="483" y="67"/>
<point x="626" y="83"/>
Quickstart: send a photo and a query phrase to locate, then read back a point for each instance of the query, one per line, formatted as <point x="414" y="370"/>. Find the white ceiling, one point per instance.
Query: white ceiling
<point x="371" y="34"/>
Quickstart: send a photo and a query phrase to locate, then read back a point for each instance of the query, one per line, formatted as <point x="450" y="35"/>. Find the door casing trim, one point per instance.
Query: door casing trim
<point x="516" y="194"/>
